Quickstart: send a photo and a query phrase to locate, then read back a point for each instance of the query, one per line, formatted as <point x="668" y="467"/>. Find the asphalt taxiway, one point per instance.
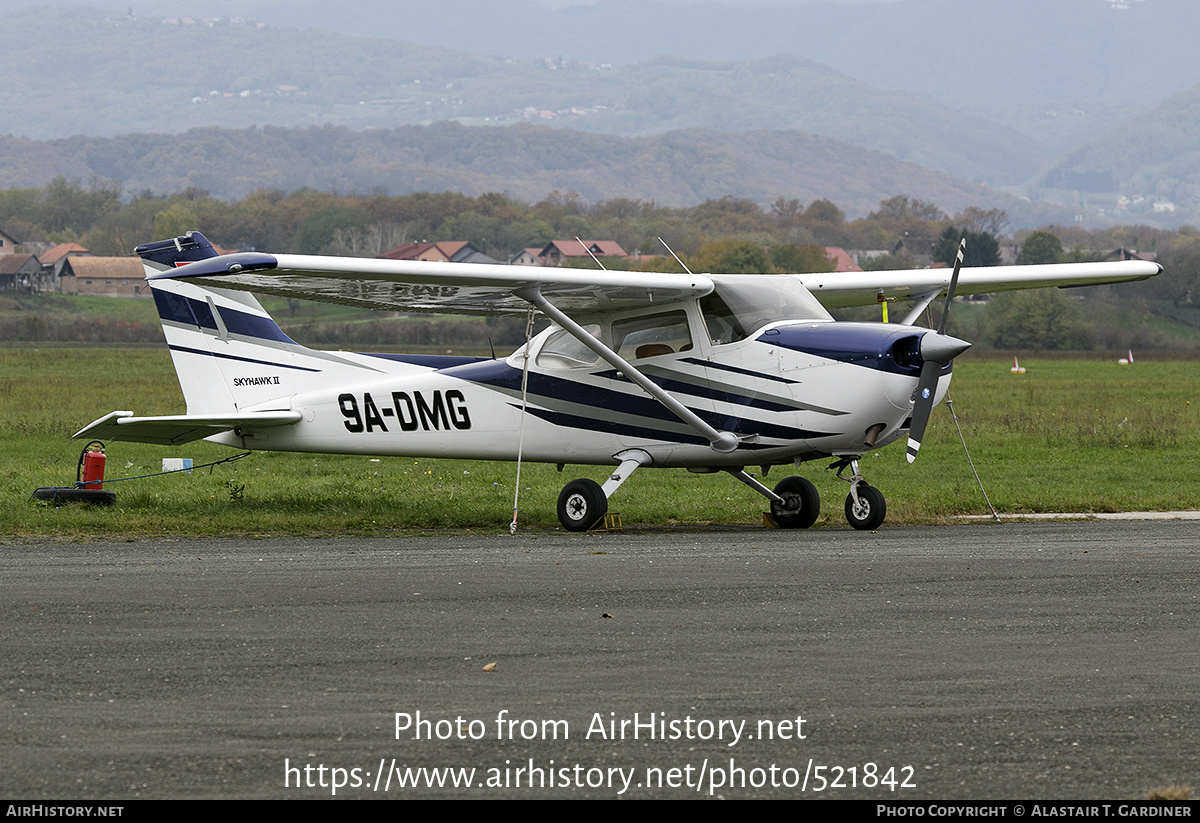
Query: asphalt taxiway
<point x="1053" y="660"/>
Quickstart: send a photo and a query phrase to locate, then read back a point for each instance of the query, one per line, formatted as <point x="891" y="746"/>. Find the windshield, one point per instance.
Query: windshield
<point x="742" y="304"/>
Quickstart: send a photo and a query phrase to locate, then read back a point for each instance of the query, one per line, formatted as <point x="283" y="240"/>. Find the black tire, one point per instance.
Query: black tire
<point x="69" y="494"/>
<point x="871" y="509"/>
<point x="581" y="505"/>
<point x="801" y="503"/>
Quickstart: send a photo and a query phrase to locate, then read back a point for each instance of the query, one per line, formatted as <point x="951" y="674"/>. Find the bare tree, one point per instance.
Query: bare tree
<point x="989" y="221"/>
<point x="371" y="241"/>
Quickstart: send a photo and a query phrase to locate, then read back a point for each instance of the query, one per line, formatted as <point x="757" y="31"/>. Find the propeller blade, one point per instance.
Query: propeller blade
<point x="958" y="261"/>
<point x="926" y="386"/>
<point x="937" y="349"/>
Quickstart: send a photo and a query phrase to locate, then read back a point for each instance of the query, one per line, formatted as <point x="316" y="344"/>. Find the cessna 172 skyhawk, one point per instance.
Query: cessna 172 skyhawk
<point x="699" y="371"/>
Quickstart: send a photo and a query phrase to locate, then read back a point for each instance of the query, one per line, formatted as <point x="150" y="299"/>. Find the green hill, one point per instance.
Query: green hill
<point x="1153" y="159"/>
<point x="526" y="161"/>
<point x="115" y="75"/>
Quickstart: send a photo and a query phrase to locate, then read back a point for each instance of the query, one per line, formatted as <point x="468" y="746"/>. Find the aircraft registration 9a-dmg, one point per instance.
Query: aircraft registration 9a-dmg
<point x="705" y="372"/>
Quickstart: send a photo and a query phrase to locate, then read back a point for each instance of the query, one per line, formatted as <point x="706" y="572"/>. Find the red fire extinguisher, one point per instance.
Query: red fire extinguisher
<point x="91" y="466"/>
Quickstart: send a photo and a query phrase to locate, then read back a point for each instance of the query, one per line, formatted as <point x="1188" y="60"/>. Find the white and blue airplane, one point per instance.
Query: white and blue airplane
<point x="704" y="372"/>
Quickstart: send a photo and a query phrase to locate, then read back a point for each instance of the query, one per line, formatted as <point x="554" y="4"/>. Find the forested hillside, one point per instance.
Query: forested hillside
<point x="87" y="76"/>
<point x="526" y="161"/>
<point x="121" y="75"/>
<point x="1156" y="155"/>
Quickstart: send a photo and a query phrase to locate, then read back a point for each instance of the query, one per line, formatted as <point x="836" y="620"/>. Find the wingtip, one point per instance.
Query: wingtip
<point x="111" y="419"/>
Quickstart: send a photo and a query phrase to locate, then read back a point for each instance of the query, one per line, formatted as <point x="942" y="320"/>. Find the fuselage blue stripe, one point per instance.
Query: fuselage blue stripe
<point x="574" y="421"/>
<point x="239" y="359"/>
<point x="722" y="395"/>
<point x="432" y="361"/>
<point x="748" y="372"/>
<point x="503" y="376"/>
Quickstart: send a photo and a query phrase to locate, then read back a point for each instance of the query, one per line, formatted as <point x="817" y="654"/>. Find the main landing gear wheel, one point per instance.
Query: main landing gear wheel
<point x="868" y="514"/>
<point x="801" y="503"/>
<point x="581" y="505"/>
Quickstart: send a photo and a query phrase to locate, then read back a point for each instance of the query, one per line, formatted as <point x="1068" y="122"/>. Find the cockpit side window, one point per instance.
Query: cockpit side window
<point x="563" y="351"/>
<point x="650" y="335"/>
<point x="722" y="323"/>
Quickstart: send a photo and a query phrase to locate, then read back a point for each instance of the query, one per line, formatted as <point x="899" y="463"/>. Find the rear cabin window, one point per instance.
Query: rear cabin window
<point x="651" y="335"/>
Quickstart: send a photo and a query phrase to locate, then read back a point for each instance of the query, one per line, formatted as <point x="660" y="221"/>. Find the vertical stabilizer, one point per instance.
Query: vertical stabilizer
<point x="230" y="356"/>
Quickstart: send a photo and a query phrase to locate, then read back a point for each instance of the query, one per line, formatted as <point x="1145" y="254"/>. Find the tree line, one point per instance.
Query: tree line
<point x="726" y="234"/>
<point x="110" y="222"/>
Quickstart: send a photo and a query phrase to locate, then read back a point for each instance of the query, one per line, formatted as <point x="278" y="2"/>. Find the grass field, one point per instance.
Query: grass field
<point x="1072" y="435"/>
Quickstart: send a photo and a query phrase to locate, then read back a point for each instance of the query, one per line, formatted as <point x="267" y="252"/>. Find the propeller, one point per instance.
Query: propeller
<point x="937" y="349"/>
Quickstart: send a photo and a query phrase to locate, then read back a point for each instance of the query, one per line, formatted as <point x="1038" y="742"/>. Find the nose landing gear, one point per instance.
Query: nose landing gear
<point x="865" y="505"/>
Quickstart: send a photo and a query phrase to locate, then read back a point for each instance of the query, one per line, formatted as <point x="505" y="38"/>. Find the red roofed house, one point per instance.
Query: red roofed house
<point x="53" y="260"/>
<point x="55" y="255"/>
<point x="559" y="250"/>
<point x="436" y="252"/>
<point x="445" y="251"/>
<point x="842" y="261"/>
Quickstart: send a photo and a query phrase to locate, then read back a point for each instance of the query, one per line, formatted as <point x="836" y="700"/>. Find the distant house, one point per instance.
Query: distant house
<point x="8" y="244"/>
<point x="842" y="261"/>
<point x="104" y="277"/>
<point x="436" y="252"/>
<point x="528" y="256"/>
<point x="559" y="251"/>
<point x="1131" y="254"/>
<point x="860" y="256"/>
<point x="54" y="258"/>
<point x="470" y="254"/>
<point x="446" y="251"/>
<point x="19" y="272"/>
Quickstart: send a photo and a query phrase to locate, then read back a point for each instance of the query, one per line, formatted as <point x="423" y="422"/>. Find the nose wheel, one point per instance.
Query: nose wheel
<point x="867" y="512"/>
<point x="865" y="505"/>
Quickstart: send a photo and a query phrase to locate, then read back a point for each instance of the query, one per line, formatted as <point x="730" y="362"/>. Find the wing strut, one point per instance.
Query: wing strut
<point x="922" y="302"/>
<point x="724" y="442"/>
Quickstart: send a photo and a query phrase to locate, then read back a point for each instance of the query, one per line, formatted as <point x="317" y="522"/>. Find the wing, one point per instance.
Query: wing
<point x="456" y="288"/>
<point x="837" y="290"/>
<point x="174" y="430"/>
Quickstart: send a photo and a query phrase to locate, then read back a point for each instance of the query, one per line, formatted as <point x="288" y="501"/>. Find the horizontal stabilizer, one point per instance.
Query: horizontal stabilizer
<point x="173" y="430"/>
